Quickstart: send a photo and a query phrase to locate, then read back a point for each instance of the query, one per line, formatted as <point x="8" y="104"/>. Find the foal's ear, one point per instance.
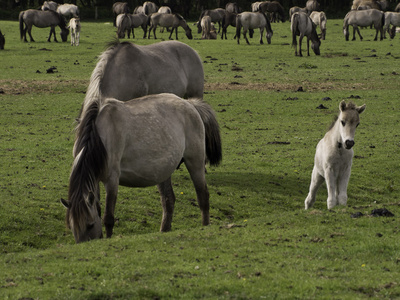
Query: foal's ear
<point x="342" y="105"/>
<point x="360" y="109"/>
<point x="64" y="202"/>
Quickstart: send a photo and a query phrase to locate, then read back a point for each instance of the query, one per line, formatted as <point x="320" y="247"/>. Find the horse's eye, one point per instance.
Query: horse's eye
<point x="90" y="226"/>
<point x="343" y="123"/>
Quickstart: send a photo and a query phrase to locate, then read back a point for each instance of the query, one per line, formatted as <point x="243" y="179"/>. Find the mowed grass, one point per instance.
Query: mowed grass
<point x="261" y="244"/>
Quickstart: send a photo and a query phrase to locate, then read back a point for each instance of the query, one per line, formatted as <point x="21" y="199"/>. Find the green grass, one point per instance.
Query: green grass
<point x="261" y="243"/>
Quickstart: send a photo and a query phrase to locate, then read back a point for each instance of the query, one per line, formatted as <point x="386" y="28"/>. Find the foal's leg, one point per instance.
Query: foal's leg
<point x="167" y="202"/>
<point x="342" y="186"/>
<point x="331" y="184"/>
<point x="316" y="181"/>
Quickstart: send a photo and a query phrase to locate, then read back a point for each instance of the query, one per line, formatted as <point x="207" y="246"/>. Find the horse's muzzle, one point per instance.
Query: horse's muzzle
<point x="349" y="144"/>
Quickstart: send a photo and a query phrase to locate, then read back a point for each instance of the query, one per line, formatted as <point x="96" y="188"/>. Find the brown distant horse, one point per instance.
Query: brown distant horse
<point x="274" y="8"/>
<point x="119" y="8"/>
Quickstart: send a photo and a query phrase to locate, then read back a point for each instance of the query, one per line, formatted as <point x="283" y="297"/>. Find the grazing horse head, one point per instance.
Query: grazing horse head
<point x="349" y="120"/>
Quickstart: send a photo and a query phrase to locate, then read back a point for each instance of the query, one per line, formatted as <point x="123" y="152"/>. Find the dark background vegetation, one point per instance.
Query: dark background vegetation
<point x="190" y="9"/>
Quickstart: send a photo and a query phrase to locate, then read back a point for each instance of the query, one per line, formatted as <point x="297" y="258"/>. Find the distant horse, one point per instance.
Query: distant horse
<point x="138" y="10"/>
<point x="274" y="8"/>
<point x="208" y="29"/>
<point x="301" y="25"/>
<point x="216" y="15"/>
<point x="149" y="8"/>
<point x="169" y="20"/>
<point x="312" y="5"/>
<point x="253" y="20"/>
<point x="164" y="10"/>
<point x="124" y="25"/>
<point x="232" y="7"/>
<point x="228" y="19"/>
<point x="2" y="41"/>
<point x="363" y="18"/>
<point x="139" y="20"/>
<point x="319" y="19"/>
<point x="255" y="6"/>
<point x="333" y="157"/>
<point x="119" y="143"/>
<point x="391" y="18"/>
<point x="42" y="19"/>
<point x="68" y="10"/>
<point x="376" y="4"/>
<point x="294" y="9"/>
<point x="119" y="8"/>
<point x="75" y="27"/>
<point x="49" y="5"/>
<point x="397" y="9"/>
<point x="128" y="71"/>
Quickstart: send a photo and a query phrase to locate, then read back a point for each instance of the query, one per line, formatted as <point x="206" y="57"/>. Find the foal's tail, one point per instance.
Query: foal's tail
<point x="213" y="137"/>
<point x="21" y="24"/>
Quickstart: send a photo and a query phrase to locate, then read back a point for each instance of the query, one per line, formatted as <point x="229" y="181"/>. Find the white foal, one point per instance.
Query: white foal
<point x="75" y="27"/>
<point x="334" y="155"/>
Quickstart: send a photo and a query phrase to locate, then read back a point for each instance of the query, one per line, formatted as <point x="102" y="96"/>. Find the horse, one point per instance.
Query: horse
<point x="334" y="155"/>
<point x="123" y="23"/>
<point x="255" y="6"/>
<point x="294" y="9"/>
<point x="2" y="41"/>
<point x="68" y="10"/>
<point x="228" y="19"/>
<point x="126" y="71"/>
<point x="232" y="7"/>
<point x="274" y="8"/>
<point x="164" y="10"/>
<point x="301" y="25"/>
<point x="319" y="19"/>
<point x="149" y="8"/>
<point x="119" y="8"/>
<point x="312" y="5"/>
<point x="379" y="5"/>
<point x="169" y="20"/>
<point x="253" y="20"/>
<point x="208" y="29"/>
<point x="49" y="5"/>
<point x="216" y="15"/>
<point x="119" y="143"/>
<point x="139" y="20"/>
<point x="42" y="19"/>
<point x="391" y="18"/>
<point x="397" y="8"/>
<point x="75" y="27"/>
<point x="363" y="18"/>
<point x="138" y="10"/>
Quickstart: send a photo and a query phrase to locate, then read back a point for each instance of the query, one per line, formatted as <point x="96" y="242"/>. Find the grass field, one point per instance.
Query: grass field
<point x="261" y="243"/>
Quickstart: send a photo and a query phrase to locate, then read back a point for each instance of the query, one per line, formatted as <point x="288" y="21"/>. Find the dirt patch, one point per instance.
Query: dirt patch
<point x="21" y="87"/>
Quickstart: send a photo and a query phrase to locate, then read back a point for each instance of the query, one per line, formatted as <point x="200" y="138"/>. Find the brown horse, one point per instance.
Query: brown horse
<point x="119" y="8"/>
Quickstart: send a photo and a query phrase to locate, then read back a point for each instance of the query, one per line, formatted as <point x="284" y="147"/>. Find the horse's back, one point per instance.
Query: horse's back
<point x="149" y="136"/>
<point x="171" y="66"/>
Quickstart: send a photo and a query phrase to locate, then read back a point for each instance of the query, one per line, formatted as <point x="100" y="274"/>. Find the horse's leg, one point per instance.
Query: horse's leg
<point x="308" y="46"/>
<point x="29" y="29"/>
<point x="245" y="36"/>
<point x="300" y="41"/>
<point x="342" y="186"/>
<point x="111" y="187"/>
<point x="167" y="202"/>
<point x="261" y="35"/>
<point x="197" y="174"/>
<point x="316" y="181"/>
<point x="331" y="184"/>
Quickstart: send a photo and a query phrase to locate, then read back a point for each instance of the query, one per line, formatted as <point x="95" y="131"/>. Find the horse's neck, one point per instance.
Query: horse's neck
<point x="333" y="134"/>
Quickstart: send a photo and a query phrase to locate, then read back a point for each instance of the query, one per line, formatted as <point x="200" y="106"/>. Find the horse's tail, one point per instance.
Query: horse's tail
<point x="89" y="164"/>
<point x="21" y="24"/>
<point x="213" y="137"/>
<point x="238" y="26"/>
<point x="294" y="28"/>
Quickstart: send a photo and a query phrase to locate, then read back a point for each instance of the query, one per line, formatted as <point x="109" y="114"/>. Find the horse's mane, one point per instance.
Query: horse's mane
<point x="179" y="16"/>
<point x="88" y="166"/>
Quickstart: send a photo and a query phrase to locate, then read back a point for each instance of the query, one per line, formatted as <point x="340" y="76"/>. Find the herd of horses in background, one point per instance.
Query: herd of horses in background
<point x="304" y="21"/>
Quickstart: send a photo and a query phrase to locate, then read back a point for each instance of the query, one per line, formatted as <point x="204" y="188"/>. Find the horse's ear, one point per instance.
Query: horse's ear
<point x="342" y="105"/>
<point x="360" y="109"/>
<point x="64" y="202"/>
